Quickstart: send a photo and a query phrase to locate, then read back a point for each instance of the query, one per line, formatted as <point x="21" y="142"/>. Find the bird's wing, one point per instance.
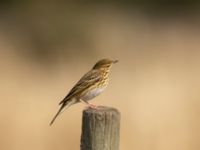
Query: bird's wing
<point x="85" y="82"/>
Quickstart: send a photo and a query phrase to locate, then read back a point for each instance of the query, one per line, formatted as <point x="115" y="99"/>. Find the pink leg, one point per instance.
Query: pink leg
<point x="92" y="106"/>
<point x="89" y="105"/>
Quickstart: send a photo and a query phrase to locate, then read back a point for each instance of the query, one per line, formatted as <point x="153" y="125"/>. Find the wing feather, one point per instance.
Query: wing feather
<point x="85" y="82"/>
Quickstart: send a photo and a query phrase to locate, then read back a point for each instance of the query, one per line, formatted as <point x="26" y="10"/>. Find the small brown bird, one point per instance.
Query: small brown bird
<point x="89" y="86"/>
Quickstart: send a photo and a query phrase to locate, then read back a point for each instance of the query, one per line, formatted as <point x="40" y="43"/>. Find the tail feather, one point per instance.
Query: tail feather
<point x="64" y="105"/>
<point x="59" y="111"/>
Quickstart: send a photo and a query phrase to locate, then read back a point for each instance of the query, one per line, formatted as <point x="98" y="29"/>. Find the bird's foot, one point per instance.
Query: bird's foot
<point x="92" y="106"/>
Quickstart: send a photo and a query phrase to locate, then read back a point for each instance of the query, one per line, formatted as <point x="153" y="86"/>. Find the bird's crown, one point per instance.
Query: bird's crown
<point x="104" y="63"/>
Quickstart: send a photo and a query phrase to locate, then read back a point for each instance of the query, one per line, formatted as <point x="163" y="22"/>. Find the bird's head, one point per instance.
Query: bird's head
<point x="104" y="64"/>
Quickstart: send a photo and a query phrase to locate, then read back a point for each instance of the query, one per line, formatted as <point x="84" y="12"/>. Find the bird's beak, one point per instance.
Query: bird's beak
<point x="115" y="61"/>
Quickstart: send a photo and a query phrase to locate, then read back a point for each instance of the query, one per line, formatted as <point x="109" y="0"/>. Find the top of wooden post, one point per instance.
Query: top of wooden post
<point x="102" y="109"/>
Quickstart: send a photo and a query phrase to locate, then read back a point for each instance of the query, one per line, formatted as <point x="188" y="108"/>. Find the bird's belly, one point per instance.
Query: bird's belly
<point x="93" y="93"/>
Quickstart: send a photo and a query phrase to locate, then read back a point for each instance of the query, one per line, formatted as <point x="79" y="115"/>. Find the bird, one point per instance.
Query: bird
<point x="88" y="87"/>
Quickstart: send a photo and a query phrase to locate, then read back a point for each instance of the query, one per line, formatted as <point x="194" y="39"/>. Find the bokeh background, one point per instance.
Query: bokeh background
<point x="46" y="46"/>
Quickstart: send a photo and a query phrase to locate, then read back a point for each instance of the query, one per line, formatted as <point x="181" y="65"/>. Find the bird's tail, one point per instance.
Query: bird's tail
<point x="59" y="111"/>
<point x="64" y="105"/>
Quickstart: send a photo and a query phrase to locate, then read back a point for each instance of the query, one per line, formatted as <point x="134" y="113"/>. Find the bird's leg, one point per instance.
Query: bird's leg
<point x="89" y="104"/>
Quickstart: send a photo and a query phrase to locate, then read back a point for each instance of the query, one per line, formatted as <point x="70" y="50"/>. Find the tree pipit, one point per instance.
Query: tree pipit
<point x="89" y="86"/>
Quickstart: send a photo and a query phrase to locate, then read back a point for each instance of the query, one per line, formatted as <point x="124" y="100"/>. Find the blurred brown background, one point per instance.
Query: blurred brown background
<point x="45" y="47"/>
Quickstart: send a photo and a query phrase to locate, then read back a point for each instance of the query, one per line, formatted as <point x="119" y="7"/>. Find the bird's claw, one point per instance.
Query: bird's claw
<point x="92" y="106"/>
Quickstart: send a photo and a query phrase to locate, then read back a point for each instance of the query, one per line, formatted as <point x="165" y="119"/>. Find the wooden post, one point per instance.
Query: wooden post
<point x="100" y="129"/>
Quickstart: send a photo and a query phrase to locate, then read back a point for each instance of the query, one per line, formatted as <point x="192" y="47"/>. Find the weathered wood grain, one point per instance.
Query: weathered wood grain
<point x="100" y="129"/>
